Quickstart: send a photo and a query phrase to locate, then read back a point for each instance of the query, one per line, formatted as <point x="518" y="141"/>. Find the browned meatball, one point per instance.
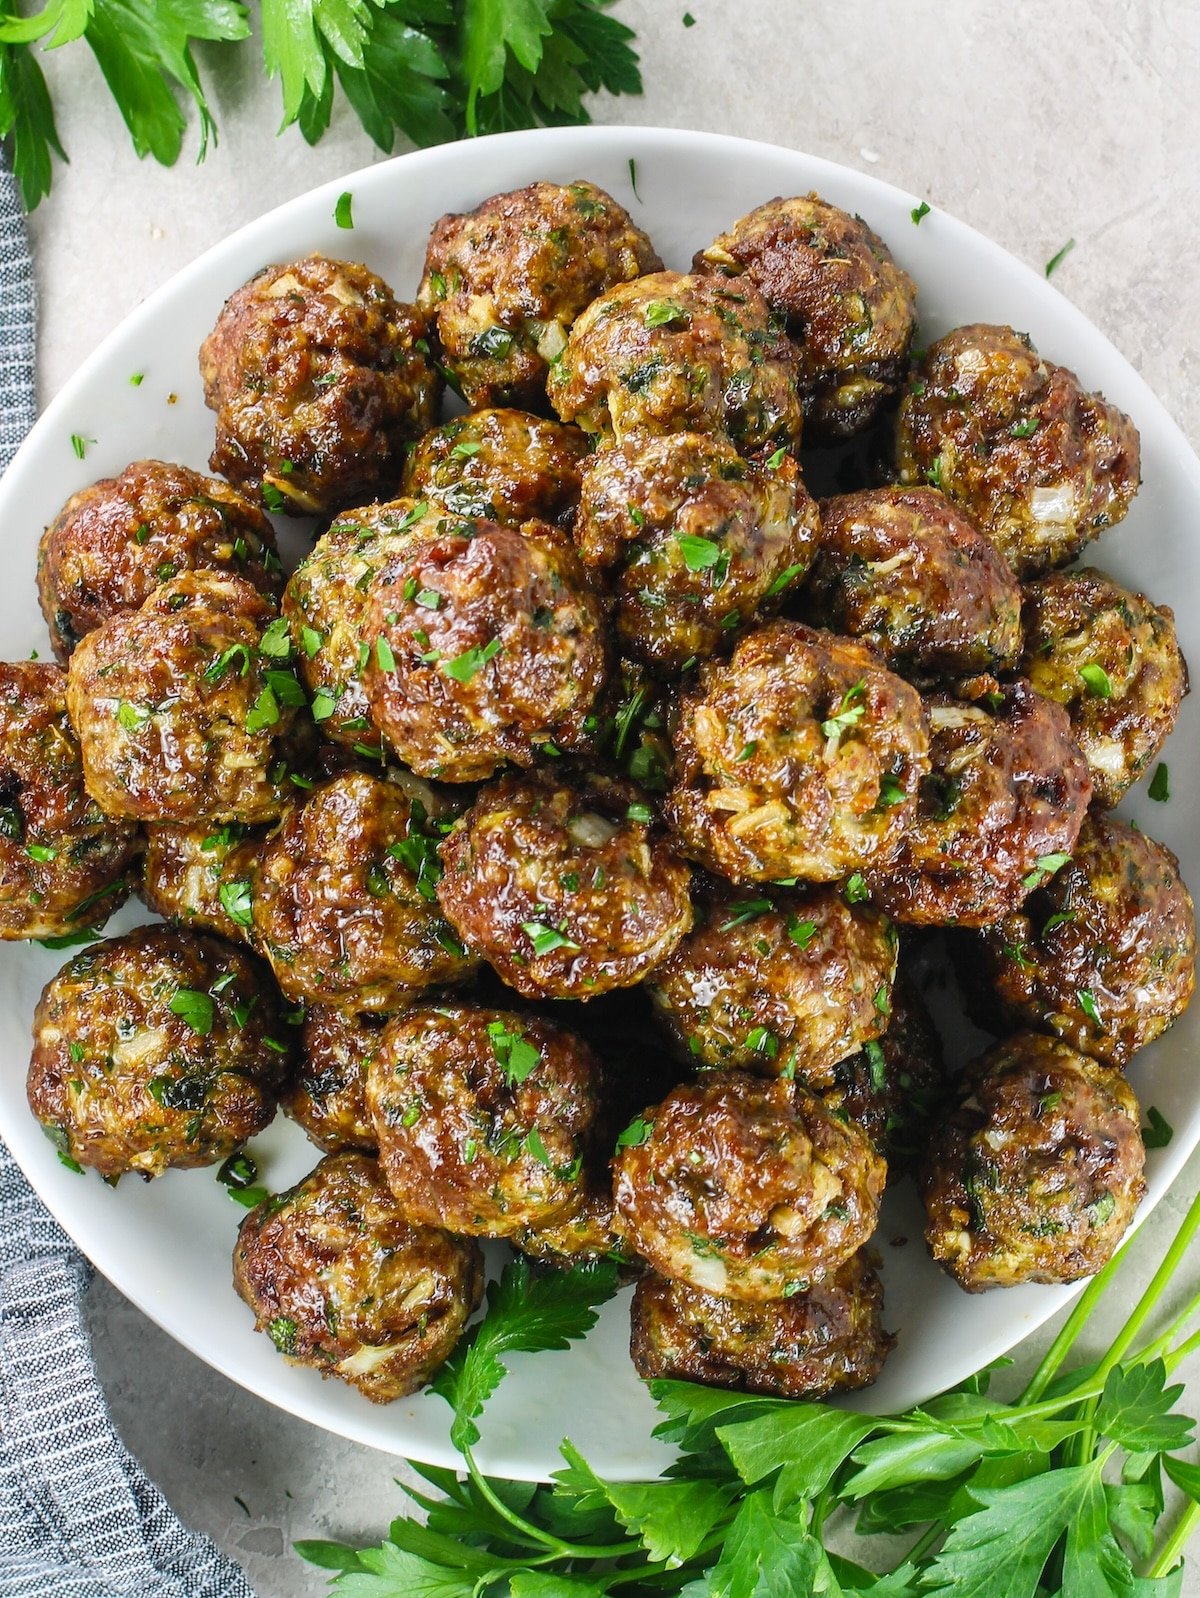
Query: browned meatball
<point x="62" y="861"/>
<point x="1037" y="464"/>
<point x="484" y="644"/>
<point x="786" y="984"/>
<point x="633" y="719"/>
<point x="1037" y="1176"/>
<point x="1112" y="658"/>
<point x="325" y="603"/>
<point x="201" y="877"/>
<point x="566" y="889"/>
<point x="848" y="307"/>
<point x="1103" y="952"/>
<point x="344" y="897"/>
<point x="672" y="352"/>
<point x="700" y="541"/>
<point x="827" y="1337"/>
<point x="744" y="1187"/>
<point x="161" y="1048"/>
<point x="328" y="1094"/>
<point x="188" y="710"/>
<point x="588" y="1235"/>
<point x="903" y="570"/>
<point x="339" y="1278"/>
<point x="485" y="1118"/>
<point x="504" y="283"/>
<point x="1005" y="799"/>
<point x="505" y="466"/>
<point x="800" y="757"/>
<point x="113" y="543"/>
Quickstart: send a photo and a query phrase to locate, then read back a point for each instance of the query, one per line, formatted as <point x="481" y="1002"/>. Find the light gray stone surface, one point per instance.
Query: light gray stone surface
<point x="1074" y="118"/>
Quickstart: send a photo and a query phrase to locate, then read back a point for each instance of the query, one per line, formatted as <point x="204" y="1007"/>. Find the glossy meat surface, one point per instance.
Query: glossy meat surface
<point x="502" y="465"/>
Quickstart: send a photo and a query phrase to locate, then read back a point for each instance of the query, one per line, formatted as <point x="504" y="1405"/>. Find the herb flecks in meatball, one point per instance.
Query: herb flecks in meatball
<point x="63" y="862"/>
<point x="318" y="376"/>
<point x="340" y="1279"/>
<point x="1112" y="658"/>
<point x="1037" y="464"/>
<point x="699" y="542"/>
<point x="161" y="1048"/>
<point x="327" y="1096"/>
<point x="746" y="1188"/>
<point x="202" y="877"/>
<point x="1103" y="951"/>
<point x="848" y="307"/>
<point x="1037" y="1176"/>
<point x="567" y="889"/>
<point x="503" y="465"/>
<point x="799" y="758"/>
<point x="114" y="542"/>
<point x="485" y="1118"/>
<point x="673" y="352"/>
<point x="504" y="283"/>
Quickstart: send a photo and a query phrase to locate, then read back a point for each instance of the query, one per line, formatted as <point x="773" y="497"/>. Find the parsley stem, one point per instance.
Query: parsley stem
<point x="1178" y="1355"/>
<point x="1177" y="1541"/>
<point x="1068" y="1333"/>
<point x="535" y="1534"/>
<point x="925" y="1543"/>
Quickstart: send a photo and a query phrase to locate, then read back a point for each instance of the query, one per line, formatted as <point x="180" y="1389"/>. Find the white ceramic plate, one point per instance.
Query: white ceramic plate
<point x="167" y="1245"/>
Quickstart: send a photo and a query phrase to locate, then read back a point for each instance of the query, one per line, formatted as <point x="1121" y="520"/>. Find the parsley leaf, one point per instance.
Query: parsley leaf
<point x="1158" y="1131"/>
<point x="1160" y="783"/>
<point x="515" y="1055"/>
<point x="195" y="1008"/>
<point x="463" y="667"/>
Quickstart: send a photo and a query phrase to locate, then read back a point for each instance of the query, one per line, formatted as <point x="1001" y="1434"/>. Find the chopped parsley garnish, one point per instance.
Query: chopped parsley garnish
<point x="856" y="889"/>
<point x="747" y="751"/>
<point x="877" y="1063"/>
<point x="748" y="910"/>
<point x="760" y="1040"/>
<point x="1024" y="429"/>
<point x="1160" y="783"/>
<point x="1087" y="1003"/>
<point x="276" y="641"/>
<point x="639" y="812"/>
<point x="778" y="584"/>
<point x="515" y="1055"/>
<point x="546" y="939"/>
<point x="698" y="553"/>
<point x="264" y="712"/>
<point x="850" y="711"/>
<point x="777" y="457"/>
<point x="666" y="313"/>
<point x="41" y="852"/>
<point x="283" y="1332"/>
<point x="1056" y="260"/>
<point x="800" y="932"/>
<point x="238" y="1176"/>
<point x="918" y="212"/>
<point x="194" y="1008"/>
<point x="1097" y="680"/>
<point x="637" y="1132"/>
<point x="463" y="667"/>
<point x="535" y="1147"/>
<point x="891" y="792"/>
<point x="1044" y="868"/>
<point x="1158" y="1131"/>
<point x="311" y="641"/>
<point x="236" y="902"/>
<point x="384" y="656"/>
<point x="466" y="448"/>
<point x="80" y="444"/>
<point x="132" y="717"/>
<point x="343" y="211"/>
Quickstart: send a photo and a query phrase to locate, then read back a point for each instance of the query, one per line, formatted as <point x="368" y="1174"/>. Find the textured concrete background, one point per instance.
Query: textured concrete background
<point x="1076" y="118"/>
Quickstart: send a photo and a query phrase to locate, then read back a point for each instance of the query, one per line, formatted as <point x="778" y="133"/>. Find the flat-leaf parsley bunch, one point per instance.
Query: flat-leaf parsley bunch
<point x="1058" y="1493"/>
<point x="431" y="70"/>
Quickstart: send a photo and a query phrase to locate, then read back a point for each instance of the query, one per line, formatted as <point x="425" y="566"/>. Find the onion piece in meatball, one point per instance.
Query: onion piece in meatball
<point x="1038" y="1174"/>
<point x="799" y="758"/>
<point x="700" y="542"/>
<point x="673" y="353"/>
<point x="1103" y="952"/>
<point x="327" y="1096"/>
<point x="160" y="1048"/>
<point x="1039" y="466"/>
<point x="503" y="465"/>
<point x="1002" y="806"/>
<point x="114" y="542"/>
<point x="202" y="877"/>
<point x="848" y="307"/>
<point x="746" y="1188"/>
<point x="566" y="889"/>
<point x="903" y="570"/>
<point x="485" y="1118"/>
<point x="1112" y="658"/>
<point x="825" y="1338"/>
<point x="340" y="1279"/>
<point x="318" y="375"/>
<point x="783" y="984"/>
<point x="63" y="863"/>
<point x="504" y="283"/>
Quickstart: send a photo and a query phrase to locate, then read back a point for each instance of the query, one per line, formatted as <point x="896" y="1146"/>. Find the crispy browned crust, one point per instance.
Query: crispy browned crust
<point x="503" y="465"/>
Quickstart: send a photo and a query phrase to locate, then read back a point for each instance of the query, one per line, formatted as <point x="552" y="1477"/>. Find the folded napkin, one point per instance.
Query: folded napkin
<point x="78" y="1516"/>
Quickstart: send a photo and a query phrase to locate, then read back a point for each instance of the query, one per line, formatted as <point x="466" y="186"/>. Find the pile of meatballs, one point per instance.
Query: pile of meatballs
<point x="561" y="843"/>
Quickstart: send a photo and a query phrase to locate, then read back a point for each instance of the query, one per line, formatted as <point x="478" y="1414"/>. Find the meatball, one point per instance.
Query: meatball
<point x="700" y="541"/>
<point x="746" y="1188"/>
<point x="112" y="544"/>
<point x="1006" y="797"/>
<point x="1112" y="658"/>
<point x="848" y="307"/>
<point x="340" y="1279"/>
<point x="801" y="757"/>
<point x="786" y="984"/>
<point x="672" y="352"/>
<point x="505" y="466"/>
<point x="1038" y="1174"/>
<point x="566" y="889"/>
<point x="903" y="570"/>
<point x="1037" y="464"/>
<point x="328" y="1094"/>
<point x="62" y="861"/>
<point x="161" y="1048"/>
<point x="504" y="283"/>
<point x="485" y="1118"/>
<point x="325" y="603"/>
<point x="318" y="375"/>
<point x="1102" y="952"/>
<point x="589" y="1235"/>
<point x="344" y="899"/>
<point x="827" y="1337"/>
<point x="485" y="643"/>
<point x="188" y="710"/>
<point x="202" y="877"/>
